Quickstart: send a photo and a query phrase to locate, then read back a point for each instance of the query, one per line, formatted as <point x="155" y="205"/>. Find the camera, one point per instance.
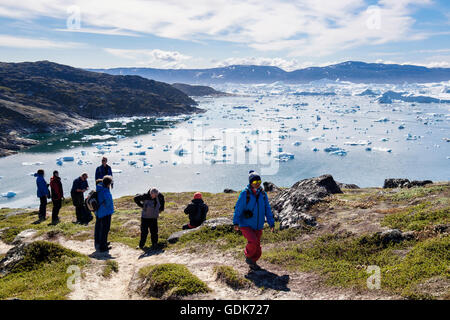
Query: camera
<point x="248" y="214"/>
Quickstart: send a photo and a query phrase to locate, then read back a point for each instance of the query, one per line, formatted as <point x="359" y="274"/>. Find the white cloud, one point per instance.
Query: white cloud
<point x="151" y="58"/>
<point x="31" y="43"/>
<point x="301" y="28"/>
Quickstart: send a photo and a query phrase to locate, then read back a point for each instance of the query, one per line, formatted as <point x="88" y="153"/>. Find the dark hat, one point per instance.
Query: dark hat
<point x="252" y="176"/>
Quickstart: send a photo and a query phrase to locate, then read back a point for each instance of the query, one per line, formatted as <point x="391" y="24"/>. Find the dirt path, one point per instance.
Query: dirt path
<point x="277" y="283"/>
<point x="4" y="247"/>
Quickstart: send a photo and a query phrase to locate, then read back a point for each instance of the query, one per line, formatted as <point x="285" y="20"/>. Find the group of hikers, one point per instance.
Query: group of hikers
<point x="251" y="211"/>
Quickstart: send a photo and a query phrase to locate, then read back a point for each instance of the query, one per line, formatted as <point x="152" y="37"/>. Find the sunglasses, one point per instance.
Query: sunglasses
<point x="256" y="182"/>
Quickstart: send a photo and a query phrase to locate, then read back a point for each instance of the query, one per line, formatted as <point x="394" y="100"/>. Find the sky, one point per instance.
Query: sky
<point x="212" y="33"/>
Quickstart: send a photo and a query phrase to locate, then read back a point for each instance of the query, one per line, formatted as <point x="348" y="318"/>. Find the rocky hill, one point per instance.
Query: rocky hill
<point x="353" y="71"/>
<point x="327" y="237"/>
<point x="44" y="96"/>
<point x="198" y="91"/>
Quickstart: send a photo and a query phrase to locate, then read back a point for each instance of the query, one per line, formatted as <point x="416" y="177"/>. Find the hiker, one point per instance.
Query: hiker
<point x="103" y="170"/>
<point x="42" y="194"/>
<point x="251" y="210"/>
<point x="197" y="211"/>
<point x="57" y="195"/>
<point x="152" y="203"/>
<point x="103" y="214"/>
<point x="79" y="186"/>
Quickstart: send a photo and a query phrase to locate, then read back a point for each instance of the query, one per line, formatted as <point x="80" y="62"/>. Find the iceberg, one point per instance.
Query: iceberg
<point x="9" y="194"/>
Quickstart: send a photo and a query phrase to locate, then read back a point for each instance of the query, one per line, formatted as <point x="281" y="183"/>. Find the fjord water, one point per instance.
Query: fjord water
<point x="333" y="130"/>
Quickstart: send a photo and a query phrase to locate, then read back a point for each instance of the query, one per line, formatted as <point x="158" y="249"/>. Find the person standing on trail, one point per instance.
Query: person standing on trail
<point x="103" y="214"/>
<point x="79" y="186"/>
<point x="57" y="195"/>
<point x="251" y="210"/>
<point x="152" y="204"/>
<point x="103" y="170"/>
<point x="197" y="211"/>
<point x="42" y="193"/>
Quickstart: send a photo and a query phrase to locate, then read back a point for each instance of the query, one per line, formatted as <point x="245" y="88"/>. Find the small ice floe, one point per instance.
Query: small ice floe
<point x="132" y="163"/>
<point x="9" y="194"/>
<point x="32" y="163"/>
<point x="315" y="149"/>
<point x="381" y="120"/>
<point x="401" y="127"/>
<point x="197" y="173"/>
<point x="384" y="139"/>
<point x="284" y="156"/>
<point x="68" y="159"/>
<point x="181" y="151"/>
<point x="382" y="149"/>
<point x="296" y="143"/>
<point x="80" y="162"/>
<point x="358" y="143"/>
<point x="314" y="138"/>
<point x="83" y="153"/>
<point x="409" y="136"/>
<point x="368" y="149"/>
<point x="446" y="139"/>
<point x="59" y="162"/>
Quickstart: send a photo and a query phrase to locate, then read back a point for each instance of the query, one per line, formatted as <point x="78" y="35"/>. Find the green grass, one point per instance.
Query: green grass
<point x="343" y="260"/>
<point x="418" y="217"/>
<point x="231" y="277"/>
<point x="110" y="267"/>
<point x="225" y="238"/>
<point x="42" y="274"/>
<point x="170" y="281"/>
<point x="416" y="192"/>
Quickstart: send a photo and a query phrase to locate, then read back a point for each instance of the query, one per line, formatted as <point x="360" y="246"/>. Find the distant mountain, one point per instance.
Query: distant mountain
<point x="44" y="96"/>
<point x="198" y="91"/>
<point x="354" y="71"/>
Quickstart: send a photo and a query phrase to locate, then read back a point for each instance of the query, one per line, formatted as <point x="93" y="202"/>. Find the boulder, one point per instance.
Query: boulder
<point x="347" y="185"/>
<point x="270" y="187"/>
<point x="405" y="183"/>
<point x="395" y="235"/>
<point x="211" y="223"/>
<point x="289" y="206"/>
<point x="13" y="256"/>
<point x="24" y="236"/>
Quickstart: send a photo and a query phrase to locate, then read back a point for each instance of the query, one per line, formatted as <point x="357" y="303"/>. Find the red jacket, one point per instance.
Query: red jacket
<point x="56" y="187"/>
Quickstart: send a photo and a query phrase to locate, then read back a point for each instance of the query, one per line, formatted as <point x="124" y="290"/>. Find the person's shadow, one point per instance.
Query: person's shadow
<point x="151" y="252"/>
<point x="101" y="255"/>
<point x="269" y="280"/>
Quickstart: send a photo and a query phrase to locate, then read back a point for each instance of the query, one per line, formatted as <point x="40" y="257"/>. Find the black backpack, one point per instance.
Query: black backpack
<point x="92" y="201"/>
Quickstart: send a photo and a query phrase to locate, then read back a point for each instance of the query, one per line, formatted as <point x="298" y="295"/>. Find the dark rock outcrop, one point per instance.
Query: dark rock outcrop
<point x="405" y="183"/>
<point x="12" y="258"/>
<point x="290" y="205"/>
<point x="198" y="91"/>
<point x="211" y="223"/>
<point x="270" y="187"/>
<point x="229" y="191"/>
<point x="347" y="185"/>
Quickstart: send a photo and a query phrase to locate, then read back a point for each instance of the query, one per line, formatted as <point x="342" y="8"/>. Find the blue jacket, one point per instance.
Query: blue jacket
<point x="105" y="201"/>
<point x="261" y="210"/>
<point x="101" y="171"/>
<point x="42" y="187"/>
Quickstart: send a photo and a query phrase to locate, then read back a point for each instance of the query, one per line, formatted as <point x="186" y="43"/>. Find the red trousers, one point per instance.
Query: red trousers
<point x="253" y="248"/>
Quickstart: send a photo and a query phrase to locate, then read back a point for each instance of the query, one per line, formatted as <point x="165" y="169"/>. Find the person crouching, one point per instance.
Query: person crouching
<point x="103" y="214"/>
<point x="197" y="211"/>
<point x="152" y="203"/>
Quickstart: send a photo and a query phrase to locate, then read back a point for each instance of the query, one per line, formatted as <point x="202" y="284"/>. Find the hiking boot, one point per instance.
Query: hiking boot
<point x="253" y="266"/>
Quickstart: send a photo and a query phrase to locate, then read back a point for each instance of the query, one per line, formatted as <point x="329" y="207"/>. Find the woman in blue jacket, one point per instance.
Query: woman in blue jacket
<point x="251" y="211"/>
<point x="42" y="193"/>
<point x="103" y="214"/>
